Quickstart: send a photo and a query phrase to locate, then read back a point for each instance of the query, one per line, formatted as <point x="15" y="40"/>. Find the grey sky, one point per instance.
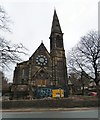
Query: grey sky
<point x="32" y="21"/>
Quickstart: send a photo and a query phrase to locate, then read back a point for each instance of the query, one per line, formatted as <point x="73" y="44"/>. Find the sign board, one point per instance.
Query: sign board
<point x="58" y="93"/>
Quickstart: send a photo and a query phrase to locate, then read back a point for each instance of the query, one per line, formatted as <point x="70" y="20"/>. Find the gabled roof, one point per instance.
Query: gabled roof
<point x="41" y="49"/>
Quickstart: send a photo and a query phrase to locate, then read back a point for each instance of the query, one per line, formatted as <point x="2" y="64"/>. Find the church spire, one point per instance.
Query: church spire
<point x="55" y="24"/>
<point x="56" y="36"/>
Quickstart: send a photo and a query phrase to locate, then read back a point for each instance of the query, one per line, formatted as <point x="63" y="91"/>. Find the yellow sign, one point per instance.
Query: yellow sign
<point x="58" y="93"/>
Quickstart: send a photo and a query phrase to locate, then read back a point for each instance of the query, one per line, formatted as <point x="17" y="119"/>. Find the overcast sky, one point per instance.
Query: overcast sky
<point x="32" y="20"/>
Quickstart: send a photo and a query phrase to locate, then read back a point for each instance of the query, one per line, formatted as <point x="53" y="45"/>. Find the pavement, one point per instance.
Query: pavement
<point x="46" y="109"/>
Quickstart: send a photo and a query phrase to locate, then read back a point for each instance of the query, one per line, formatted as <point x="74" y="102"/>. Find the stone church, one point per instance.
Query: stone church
<point x="44" y="69"/>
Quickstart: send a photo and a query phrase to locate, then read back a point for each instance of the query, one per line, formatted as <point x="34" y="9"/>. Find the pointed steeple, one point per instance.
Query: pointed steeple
<point x="56" y="36"/>
<point x="55" y="24"/>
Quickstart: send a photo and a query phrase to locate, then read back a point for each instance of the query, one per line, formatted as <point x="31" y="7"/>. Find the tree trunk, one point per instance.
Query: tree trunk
<point x="98" y="91"/>
<point x="98" y="94"/>
<point x="82" y="89"/>
<point x="82" y="81"/>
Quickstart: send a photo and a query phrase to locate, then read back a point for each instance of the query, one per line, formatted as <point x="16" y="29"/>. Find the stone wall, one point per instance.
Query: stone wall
<point x="50" y="103"/>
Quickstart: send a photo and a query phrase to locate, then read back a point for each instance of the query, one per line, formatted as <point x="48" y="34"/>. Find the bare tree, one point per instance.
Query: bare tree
<point x="4" y="20"/>
<point x="9" y="53"/>
<point x="79" y="82"/>
<point x="85" y="57"/>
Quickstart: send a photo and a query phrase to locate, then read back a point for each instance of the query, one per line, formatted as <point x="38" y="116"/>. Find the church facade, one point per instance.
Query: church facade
<point x="44" y="70"/>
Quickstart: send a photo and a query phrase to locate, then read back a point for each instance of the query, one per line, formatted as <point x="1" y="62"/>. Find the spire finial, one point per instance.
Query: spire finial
<point x="54" y="8"/>
<point x="41" y="41"/>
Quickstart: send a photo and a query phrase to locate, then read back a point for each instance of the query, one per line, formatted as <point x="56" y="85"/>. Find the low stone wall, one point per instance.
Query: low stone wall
<point x="50" y="103"/>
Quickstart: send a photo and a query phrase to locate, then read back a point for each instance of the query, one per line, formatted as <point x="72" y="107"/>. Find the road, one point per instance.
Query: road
<point x="52" y="114"/>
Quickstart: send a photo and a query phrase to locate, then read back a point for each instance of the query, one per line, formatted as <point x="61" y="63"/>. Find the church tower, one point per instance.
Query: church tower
<point x="57" y="53"/>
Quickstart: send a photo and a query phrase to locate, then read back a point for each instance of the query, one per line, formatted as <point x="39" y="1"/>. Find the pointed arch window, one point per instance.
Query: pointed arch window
<point x="59" y="41"/>
<point x="23" y="73"/>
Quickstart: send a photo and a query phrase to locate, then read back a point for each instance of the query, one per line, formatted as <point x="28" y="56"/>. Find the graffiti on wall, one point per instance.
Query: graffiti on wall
<point x="44" y="92"/>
